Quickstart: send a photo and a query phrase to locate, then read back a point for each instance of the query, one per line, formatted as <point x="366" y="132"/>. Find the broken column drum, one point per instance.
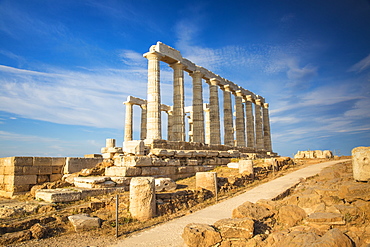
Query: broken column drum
<point x="142" y="198"/>
<point x="206" y="180"/>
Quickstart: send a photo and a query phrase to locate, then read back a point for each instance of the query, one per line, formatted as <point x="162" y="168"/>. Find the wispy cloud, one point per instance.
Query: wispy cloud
<point x="361" y="65"/>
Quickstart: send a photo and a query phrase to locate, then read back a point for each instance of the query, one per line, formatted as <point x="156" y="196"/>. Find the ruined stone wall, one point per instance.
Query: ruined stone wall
<point x="319" y="154"/>
<point x="19" y="174"/>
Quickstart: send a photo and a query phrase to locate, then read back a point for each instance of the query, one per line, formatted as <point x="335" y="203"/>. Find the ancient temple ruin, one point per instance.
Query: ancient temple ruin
<point x="249" y="133"/>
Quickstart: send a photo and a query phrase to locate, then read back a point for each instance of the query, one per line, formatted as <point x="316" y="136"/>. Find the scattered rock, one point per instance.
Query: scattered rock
<point x="200" y="235"/>
<point x="251" y="210"/>
<point x="83" y="222"/>
<point x="15" y="237"/>
<point x="290" y="215"/>
<point x="38" y="231"/>
<point x="326" y="218"/>
<point x="164" y="184"/>
<point x="235" y="228"/>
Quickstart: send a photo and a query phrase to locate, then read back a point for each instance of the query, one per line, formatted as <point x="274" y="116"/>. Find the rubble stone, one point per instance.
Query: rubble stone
<point x="235" y="228"/>
<point x="83" y="222"/>
<point x="200" y="235"/>
<point x="164" y="184"/>
<point x="251" y="210"/>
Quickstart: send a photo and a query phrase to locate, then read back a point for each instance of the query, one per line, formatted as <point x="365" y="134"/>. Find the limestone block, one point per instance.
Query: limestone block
<point x="57" y="195"/>
<point x="290" y="215"/>
<point x="233" y="165"/>
<point x="132" y="161"/>
<point x="252" y="211"/>
<point x="107" y="155"/>
<point x="42" y="161"/>
<point x="150" y="171"/>
<point x="56" y="169"/>
<point x="326" y="218"/>
<point x="192" y="162"/>
<point x="121" y="181"/>
<point x="58" y="161"/>
<point x="206" y="180"/>
<point x="184" y="154"/>
<point x="134" y="147"/>
<point x="105" y="184"/>
<point x="142" y="198"/>
<point x="173" y="162"/>
<point x="224" y="154"/>
<point x="234" y="153"/>
<point x="17" y="188"/>
<point x="211" y="154"/>
<point x="162" y="152"/>
<point x="85" y="192"/>
<point x="45" y="170"/>
<point x="55" y="177"/>
<point x="91" y="180"/>
<point x="200" y="154"/>
<point x="83" y="222"/>
<point x="42" y="179"/>
<point x="8" y="170"/>
<point x="246" y="167"/>
<point x="77" y="164"/>
<point x="123" y="171"/>
<point x="235" y="228"/>
<point x="185" y="169"/>
<point x="200" y="235"/>
<point x="361" y="163"/>
<point x="199" y="169"/>
<point x="24" y="179"/>
<point x="93" y="156"/>
<point x="158" y="162"/>
<point x="23" y="161"/>
<point x="164" y="184"/>
<point x="327" y="154"/>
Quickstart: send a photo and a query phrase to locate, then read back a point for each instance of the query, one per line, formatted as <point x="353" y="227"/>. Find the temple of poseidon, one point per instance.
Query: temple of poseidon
<point x="245" y="129"/>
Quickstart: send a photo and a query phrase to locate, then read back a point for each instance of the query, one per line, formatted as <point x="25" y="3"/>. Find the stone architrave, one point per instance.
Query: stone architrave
<point x="128" y="122"/>
<point x="228" y="117"/>
<point x="206" y="180"/>
<point x="142" y="198"/>
<point x="178" y="126"/>
<point x="198" y="115"/>
<point x="250" y="122"/>
<point x="154" y="96"/>
<point x="143" y="122"/>
<point x="266" y="128"/>
<point x="361" y="163"/>
<point x="214" y="114"/>
<point x="259" y="133"/>
<point x="239" y="120"/>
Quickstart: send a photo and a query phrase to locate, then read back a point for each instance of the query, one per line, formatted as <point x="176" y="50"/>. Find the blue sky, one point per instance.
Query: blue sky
<point x="67" y="66"/>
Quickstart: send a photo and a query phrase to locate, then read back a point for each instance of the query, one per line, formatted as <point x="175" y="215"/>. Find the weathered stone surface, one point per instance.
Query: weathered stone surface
<point x="142" y="198"/>
<point x="251" y="210"/>
<point x="200" y="235"/>
<point x="246" y="167"/>
<point x="352" y="192"/>
<point x="206" y="180"/>
<point x="105" y="184"/>
<point x="235" y="228"/>
<point x="83" y="222"/>
<point x="162" y="152"/>
<point x="38" y="231"/>
<point x="133" y="161"/>
<point x="361" y="163"/>
<point x="133" y="147"/>
<point x="333" y="237"/>
<point x="58" y="195"/>
<point x="77" y="164"/>
<point x="122" y="171"/>
<point x="91" y="180"/>
<point x="233" y="165"/>
<point x="121" y="180"/>
<point x="326" y="154"/>
<point x="15" y="237"/>
<point x="164" y="184"/>
<point x="290" y="215"/>
<point x="326" y="218"/>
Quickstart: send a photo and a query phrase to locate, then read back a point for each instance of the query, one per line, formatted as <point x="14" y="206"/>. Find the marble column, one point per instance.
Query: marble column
<point x="128" y="122"/>
<point x="250" y="121"/>
<point x="259" y="132"/>
<point x="154" y="96"/>
<point x="143" y="122"/>
<point x="208" y="124"/>
<point x="266" y="128"/>
<point x="239" y="119"/>
<point x="214" y="115"/>
<point x="228" y="117"/>
<point x="178" y="128"/>
<point x="198" y="115"/>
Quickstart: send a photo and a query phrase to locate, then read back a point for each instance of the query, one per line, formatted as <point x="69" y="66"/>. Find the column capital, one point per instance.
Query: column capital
<point x="214" y="81"/>
<point x="196" y="74"/>
<point x="143" y="106"/>
<point x="127" y="103"/>
<point x="153" y="55"/>
<point x="258" y="102"/>
<point x="177" y="65"/>
<point x="249" y="98"/>
<point x="239" y="93"/>
<point x="266" y="105"/>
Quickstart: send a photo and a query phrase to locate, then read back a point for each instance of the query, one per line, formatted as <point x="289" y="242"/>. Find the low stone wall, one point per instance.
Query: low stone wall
<point x="319" y="154"/>
<point x="19" y="174"/>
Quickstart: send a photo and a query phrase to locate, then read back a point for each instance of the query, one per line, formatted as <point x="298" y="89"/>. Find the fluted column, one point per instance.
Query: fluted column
<point x="198" y="115"/>
<point x="239" y="120"/>
<point x="143" y="122"/>
<point x="250" y="122"/>
<point x="178" y="128"/>
<point x="208" y="124"/>
<point x="228" y="117"/>
<point x="128" y="122"/>
<point x="154" y="96"/>
<point x="266" y="127"/>
<point x="214" y="114"/>
<point x="259" y="133"/>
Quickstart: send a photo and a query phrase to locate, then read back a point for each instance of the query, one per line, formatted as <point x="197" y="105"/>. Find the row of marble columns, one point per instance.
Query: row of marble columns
<point x="251" y="130"/>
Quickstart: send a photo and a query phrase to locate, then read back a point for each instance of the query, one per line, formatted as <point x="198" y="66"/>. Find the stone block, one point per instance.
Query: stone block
<point x="123" y="171"/>
<point x="184" y="154"/>
<point x="7" y="161"/>
<point x="142" y="198"/>
<point x="134" y="147"/>
<point x="121" y="181"/>
<point x="23" y="161"/>
<point x="162" y="152"/>
<point x="200" y="154"/>
<point x="105" y="184"/>
<point x="58" y="161"/>
<point x="192" y="162"/>
<point x="211" y="154"/>
<point x="91" y="180"/>
<point x="55" y="177"/>
<point x="150" y="171"/>
<point x="173" y="162"/>
<point x="99" y="191"/>
<point x="206" y="180"/>
<point x="93" y="156"/>
<point x="42" y="161"/>
<point x="158" y="162"/>
<point x="17" y="188"/>
<point x="200" y="235"/>
<point x="58" y="195"/>
<point x="8" y="170"/>
<point x="246" y="167"/>
<point x="45" y="170"/>
<point x="107" y="155"/>
<point x="233" y="165"/>
<point x="224" y="154"/>
<point x="252" y="211"/>
<point x="361" y="163"/>
<point x="30" y="170"/>
<point x="235" y="228"/>
<point x="42" y="179"/>
<point x="56" y="169"/>
<point x="133" y="161"/>
<point x="77" y="164"/>
<point x="24" y="179"/>
<point x="83" y="222"/>
<point x="164" y="184"/>
<point x="185" y="169"/>
<point x="326" y="218"/>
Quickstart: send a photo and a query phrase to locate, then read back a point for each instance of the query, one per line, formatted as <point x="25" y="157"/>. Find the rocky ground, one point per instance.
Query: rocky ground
<point x="50" y="226"/>
<point x="330" y="209"/>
